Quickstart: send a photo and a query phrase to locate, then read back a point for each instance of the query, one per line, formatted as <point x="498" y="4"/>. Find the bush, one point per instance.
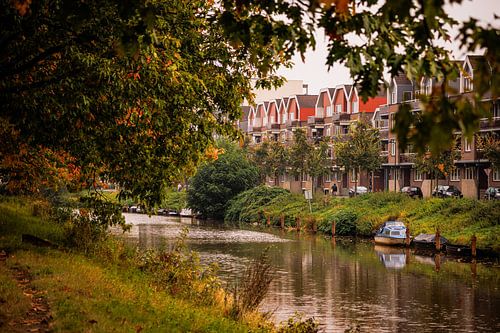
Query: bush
<point x="345" y="223"/>
<point x="246" y="206"/>
<point x="217" y="182"/>
<point x="179" y="272"/>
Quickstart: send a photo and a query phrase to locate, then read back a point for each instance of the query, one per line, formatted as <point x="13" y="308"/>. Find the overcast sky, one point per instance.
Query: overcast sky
<point x="314" y="72"/>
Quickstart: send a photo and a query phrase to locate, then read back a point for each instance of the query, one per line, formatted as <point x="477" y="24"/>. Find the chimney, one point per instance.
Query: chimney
<point x="306" y="88"/>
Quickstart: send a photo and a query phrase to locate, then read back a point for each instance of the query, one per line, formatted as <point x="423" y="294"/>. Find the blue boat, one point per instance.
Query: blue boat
<point x="391" y="233"/>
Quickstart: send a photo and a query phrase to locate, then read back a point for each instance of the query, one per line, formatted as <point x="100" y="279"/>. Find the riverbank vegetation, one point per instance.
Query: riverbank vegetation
<point x="457" y="219"/>
<point x="111" y="287"/>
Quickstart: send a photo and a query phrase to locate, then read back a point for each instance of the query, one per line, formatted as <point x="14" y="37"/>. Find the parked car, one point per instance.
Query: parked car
<point x="446" y="191"/>
<point x="413" y="191"/>
<point x="492" y="193"/>
<point x="359" y="190"/>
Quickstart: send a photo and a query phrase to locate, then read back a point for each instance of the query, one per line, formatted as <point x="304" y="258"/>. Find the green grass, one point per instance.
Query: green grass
<point x="102" y="293"/>
<point x="457" y="219"/>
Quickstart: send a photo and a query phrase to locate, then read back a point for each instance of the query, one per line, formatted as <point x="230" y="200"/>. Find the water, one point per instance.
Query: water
<point x="343" y="283"/>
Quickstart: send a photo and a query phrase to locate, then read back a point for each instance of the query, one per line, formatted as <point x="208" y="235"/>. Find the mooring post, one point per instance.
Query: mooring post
<point x="268" y="221"/>
<point x="282" y="221"/>
<point x="473" y="268"/>
<point x="314" y="226"/>
<point x="333" y="228"/>
<point x="438" y="240"/>
<point x="473" y="242"/>
<point x="437" y="261"/>
<point x="407" y="237"/>
<point x="297" y="223"/>
<point x="259" y="213"/>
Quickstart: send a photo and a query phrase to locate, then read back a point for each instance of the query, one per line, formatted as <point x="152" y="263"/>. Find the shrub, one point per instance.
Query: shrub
<point x="179" y="272"/>
<point x="246" y="206"/>
<point x="345" y="223"/>
<point x="217" y="182"/>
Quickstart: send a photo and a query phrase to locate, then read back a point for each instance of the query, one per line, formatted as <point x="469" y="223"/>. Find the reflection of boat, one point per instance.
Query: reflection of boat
<point x="391" y="233"/>
<point x="428" y="241"/>
<point x="391" y="257"/>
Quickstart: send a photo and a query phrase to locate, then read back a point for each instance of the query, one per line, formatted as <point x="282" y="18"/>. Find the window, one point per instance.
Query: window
<point x="468" y="83"/>
<point x="353" y="176"/>
<point x="467" y="145"/>
<point x="328" y="131"/>
<point x="328" y="177"/>
<point x="496" y="110"/>
<point x="329" y="111"/>
<point x="395" y="174"/>
<point x="407" y="96"/>
<point x="292" y="116"/>
<point x="283" y="119"/>
<point x="496" y="175"/>
<point x="338" y="108"/>
<point x="282" y="178"/>
<point x="469" y="173"/>
<point x="455" y="175"/>
<point x="355" y="107"/>
<point x="393" y="98"/>
<point x="393" y="147"/>
<point x="418" y="176"/>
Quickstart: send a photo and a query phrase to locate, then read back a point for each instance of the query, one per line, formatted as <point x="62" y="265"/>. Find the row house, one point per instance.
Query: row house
<point x="328" y="114"/>
<point x="473" y="173"/>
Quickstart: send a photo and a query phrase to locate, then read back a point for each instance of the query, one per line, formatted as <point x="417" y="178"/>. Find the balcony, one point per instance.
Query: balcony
<point x="384" y="134"/>
<point x="312" y="120"/>
<point x="275" y="126"/>
<point x="407" y="158"/>
<point x="293" y="123"/>
<point x="486" y="123"/>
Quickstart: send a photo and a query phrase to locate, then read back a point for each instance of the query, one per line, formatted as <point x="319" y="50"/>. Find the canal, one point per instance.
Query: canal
<point x="343" y="283"/>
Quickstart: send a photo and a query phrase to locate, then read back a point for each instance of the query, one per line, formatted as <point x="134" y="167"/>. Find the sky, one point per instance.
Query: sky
<point x="315" y="73"/>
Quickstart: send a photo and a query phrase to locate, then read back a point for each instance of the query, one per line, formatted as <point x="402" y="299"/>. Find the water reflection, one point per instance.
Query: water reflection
<point x="391" y="257"/>
<point x="343" y="283"/>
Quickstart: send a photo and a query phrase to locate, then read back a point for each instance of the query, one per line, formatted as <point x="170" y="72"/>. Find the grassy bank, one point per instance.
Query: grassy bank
<point x="112" y="290"/>
<point x="457" y="219"/>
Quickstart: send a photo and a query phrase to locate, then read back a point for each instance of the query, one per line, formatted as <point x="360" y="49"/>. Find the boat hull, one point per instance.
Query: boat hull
<point x="389" y="240"/>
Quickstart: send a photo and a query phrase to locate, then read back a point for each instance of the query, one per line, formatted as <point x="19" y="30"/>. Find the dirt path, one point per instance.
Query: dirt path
<point x="38" y="317"/>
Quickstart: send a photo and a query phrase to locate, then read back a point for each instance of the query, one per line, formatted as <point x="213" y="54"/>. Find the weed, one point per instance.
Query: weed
<point x="249" y="294"/>
<point x="297" y="324"/>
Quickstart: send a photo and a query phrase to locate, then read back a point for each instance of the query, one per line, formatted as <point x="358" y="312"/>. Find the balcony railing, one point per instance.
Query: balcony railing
<point x="407" y="158"/>
<point x="312" y="120"/>
<point x="486" y="123"/>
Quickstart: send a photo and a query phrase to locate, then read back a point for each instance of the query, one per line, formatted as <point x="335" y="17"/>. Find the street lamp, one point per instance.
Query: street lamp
<point x="393" y="150"/>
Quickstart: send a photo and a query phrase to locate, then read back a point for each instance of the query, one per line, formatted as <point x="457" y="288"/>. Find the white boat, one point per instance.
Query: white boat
<point x="391" y="233"/>
<point x="186" y="212"/>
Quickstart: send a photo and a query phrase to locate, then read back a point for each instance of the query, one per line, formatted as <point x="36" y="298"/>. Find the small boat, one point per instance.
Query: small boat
<point x="391" y="233"/>
<point x="458" y="250"/>
<point x="186" y="212"/>
<point x="428" y="241"/>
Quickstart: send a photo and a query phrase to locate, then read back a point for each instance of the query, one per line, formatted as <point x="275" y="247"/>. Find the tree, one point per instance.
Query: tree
<point x="490" y="145"/>
<point x="318" y="163"/>
<point x="278" y="157"/>
<point x="216" y="182"/>
<point x="299" y="154"/>
<point x="359" y="150"/>
<point x="436" y="165"/>
<point x="395" y="36"/>
<point x="131" y="91"/>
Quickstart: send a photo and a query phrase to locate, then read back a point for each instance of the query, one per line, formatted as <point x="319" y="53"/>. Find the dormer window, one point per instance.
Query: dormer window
<point x="355" y="107"/>
<point x="407" y="96"/>
<point x="338" y="108"/>
<point x="468" y="83"/>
